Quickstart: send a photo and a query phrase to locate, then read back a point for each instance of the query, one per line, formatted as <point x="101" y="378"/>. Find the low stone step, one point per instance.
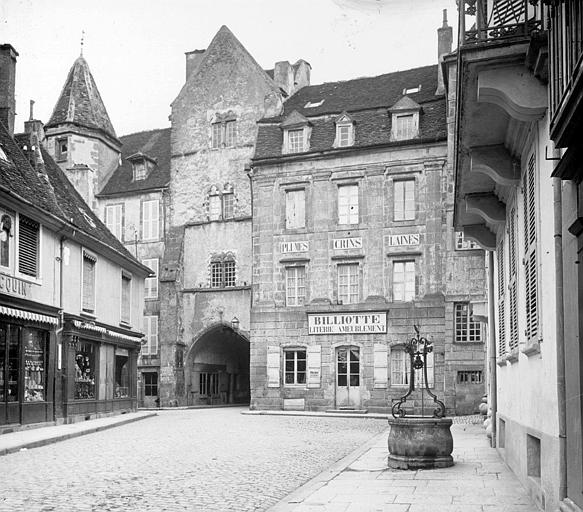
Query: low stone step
<point x="347" y="411"/>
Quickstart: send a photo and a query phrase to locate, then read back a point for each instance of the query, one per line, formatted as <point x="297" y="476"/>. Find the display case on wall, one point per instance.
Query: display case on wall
<point x="85" y="371"/>
<point x="35" y="363"/>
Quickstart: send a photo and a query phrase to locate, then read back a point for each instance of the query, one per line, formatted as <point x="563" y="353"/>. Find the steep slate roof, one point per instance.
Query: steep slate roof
<point x="154" y="144"/>
<point x="53" y="193"/>
<point x="80" y="102"/>
<point x="367" y="101"/>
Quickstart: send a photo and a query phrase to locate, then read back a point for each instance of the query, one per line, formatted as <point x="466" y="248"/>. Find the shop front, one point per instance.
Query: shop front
<point x="100" y="372"/>
<point x="27" y="348"/>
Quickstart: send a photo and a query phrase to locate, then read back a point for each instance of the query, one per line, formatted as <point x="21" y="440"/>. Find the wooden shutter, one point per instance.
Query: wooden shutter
<point x="398" y="200"/>
<point x="314" y="366"/>
<point x="28" y="246"/>
<point x="398" y="367"/>
<point x="153" y="335"/>
<point x="530" y="259"/>
<point x="380" y="365"/>
<point x="501" y="300"/>
<point x="512" y="293"/>
<point x="126" y="287"/>
<point x="88" y="283"/>
<point x="273" y="364"/>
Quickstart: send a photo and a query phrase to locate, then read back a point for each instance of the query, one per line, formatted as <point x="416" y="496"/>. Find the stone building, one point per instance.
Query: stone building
<point x="353" y="245"/>
<point x="205" y="278"/>
<point x="125" y="181"/>
<point x="70" y="293"/>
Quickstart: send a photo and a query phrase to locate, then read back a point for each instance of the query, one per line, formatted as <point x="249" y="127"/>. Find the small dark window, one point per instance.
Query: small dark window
<point x="62" y="149"/>
<point x="150" y="384"/>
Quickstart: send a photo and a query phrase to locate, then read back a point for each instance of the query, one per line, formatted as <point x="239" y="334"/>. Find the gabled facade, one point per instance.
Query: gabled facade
<point x="70" y="294"/>
<point x="353" y="245"/>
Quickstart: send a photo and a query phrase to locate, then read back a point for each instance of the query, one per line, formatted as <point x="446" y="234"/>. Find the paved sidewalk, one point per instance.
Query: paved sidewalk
<point x="478" y="482"/>
<point x="25" y="439"/>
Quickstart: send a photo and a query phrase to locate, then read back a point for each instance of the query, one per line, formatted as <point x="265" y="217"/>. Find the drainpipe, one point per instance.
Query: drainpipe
<point x="493" y="399"/>
<point x="560" y="336"/>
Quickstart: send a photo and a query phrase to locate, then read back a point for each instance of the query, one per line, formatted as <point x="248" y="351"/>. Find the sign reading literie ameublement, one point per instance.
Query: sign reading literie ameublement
<point x="347" y="323"/>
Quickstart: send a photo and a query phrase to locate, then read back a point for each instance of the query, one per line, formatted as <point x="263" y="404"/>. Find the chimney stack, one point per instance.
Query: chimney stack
<point x="283" y="76"/>
<point x="7" y="84"/>
<point x="193" y="59"/>
<point x="35" y="130"/>
<point x="444" y="43"/>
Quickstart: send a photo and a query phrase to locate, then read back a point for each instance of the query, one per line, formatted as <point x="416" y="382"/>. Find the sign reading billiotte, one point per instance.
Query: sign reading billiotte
<point x="347" y="323"/>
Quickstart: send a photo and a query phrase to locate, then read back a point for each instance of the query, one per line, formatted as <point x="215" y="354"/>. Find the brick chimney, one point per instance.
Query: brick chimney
<point x="7" y="83"/>
<point x="193" y="59"/>
<point x="444" y="43"/>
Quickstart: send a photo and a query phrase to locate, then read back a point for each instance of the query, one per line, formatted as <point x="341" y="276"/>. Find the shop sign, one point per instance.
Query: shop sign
<point x="291" y="247"/>
<point x="348" y="323"/>
<point x="347" y="243"/>
<point x="14" y="286"/>
<point x="399" y="240"/>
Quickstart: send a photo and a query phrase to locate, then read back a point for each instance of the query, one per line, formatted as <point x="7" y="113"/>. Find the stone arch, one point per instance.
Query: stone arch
<point x="216" y="368"/>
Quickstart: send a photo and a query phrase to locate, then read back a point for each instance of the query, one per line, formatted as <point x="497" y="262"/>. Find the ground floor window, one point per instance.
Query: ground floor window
<point x="122" y="374"/>
<point x="150" y="384"/>
<point x="469" y="377"/>
<point x="85" y="359"/>
<point x="209" y="383"/>
<point x="31" y="344"/>
<point x="401" y="369"/>
<point x="348" y="367"/>
<point x="295" y="366"/>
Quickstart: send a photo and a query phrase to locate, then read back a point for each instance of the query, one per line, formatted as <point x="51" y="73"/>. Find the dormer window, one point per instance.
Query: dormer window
<point x="344" y="132"/>
<point x="296" y="134"/>
<point x="142" y="165"/>
<point x="405" y="119"/>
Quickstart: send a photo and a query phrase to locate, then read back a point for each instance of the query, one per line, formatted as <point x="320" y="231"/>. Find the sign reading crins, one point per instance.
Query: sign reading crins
<point x="348" y="323"/>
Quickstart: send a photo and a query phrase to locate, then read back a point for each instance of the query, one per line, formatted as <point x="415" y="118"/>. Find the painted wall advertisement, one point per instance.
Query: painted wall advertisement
<point x="348" y="323"/>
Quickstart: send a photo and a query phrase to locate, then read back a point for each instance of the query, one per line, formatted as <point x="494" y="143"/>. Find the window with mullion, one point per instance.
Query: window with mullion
<point x="114" y="220"/>
<point x="295" y="366"/>
<point x="348" y="283"/>
<point x="150" y="220"/>
<point x="295" y="286"/>
<point x="404" y="280"/>
<point x="404" y="200"/>
<point x="466" y="328"/>
<point x="295" y="140"/>
<point x="151" y="283"/>
<point x="228" y="205"/>
<point x="217" y="274"/>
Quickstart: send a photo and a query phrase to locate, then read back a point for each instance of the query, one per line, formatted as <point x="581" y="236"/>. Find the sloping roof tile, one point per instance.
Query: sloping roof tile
<point x="367" y="101"/>
<point x="80" y="102"/>
<point x="156" y="145"/>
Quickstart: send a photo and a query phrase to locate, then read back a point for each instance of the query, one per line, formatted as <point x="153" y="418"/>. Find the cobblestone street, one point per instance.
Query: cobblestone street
<point x="206" y="459"/>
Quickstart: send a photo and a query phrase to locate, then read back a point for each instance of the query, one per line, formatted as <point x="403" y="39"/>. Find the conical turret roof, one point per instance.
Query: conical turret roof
<point x="80" y="102"/>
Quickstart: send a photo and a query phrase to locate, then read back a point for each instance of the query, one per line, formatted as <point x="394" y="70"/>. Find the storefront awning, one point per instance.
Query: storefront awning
<point x="102" y="330"/>
<point x="28" y="315"/>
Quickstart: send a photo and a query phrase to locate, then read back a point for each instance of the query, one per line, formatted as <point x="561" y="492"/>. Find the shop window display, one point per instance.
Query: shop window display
<point x="122" y="377"/>
<point x="9" y="362"/>
<point x="85" y="372"/>
<point x="35" y="358"/>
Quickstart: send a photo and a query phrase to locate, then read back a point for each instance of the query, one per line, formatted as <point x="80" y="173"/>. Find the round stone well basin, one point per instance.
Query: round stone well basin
<point x="420" y="443"/>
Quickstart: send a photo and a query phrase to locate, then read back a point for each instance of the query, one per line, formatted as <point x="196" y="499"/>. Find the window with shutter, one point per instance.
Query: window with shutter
<point x="88" y="304"/>
<point x="151" y="327"/>
<point x="530" y="241"/>
<point x="114" y="220"/>
<point x="295" y="209"/>
<point x="348" y="204"/>
<point x="380" y="365"/>
<point x="151" y="283"/>
<point x="295" y="285"/>
<point x="28" y="246"/>
<point x="401" y="369"/>
<point x="150" y="220"/>
<point x="273" y="366"/>
<point x="501" y="300"/>
<point x="348" y="283"/>
<point x="403" y="280"/>
<point x="512" y="294"/>
<point x="126" y="297"/>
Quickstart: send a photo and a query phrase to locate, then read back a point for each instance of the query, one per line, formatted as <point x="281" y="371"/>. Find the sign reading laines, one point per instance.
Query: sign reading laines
<point x="347" y="323"/>
<point x="400" y="240"/>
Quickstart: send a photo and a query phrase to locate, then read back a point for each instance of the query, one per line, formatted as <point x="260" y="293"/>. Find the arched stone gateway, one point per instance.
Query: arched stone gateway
<point x="217" y="367"/>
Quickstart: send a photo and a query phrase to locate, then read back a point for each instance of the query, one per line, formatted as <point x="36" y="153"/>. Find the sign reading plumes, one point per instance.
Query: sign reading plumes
<point x="347" y="323"/>
<point x="291" y="247"/>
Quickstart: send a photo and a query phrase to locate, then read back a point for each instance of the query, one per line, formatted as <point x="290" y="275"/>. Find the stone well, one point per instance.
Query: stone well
<point x="420" y="443"/>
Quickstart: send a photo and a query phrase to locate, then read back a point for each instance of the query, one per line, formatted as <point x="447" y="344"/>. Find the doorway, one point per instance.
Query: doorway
<point x="348" y="377"/>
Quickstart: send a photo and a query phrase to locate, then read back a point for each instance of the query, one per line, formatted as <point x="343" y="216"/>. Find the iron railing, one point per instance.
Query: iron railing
<point x="495" y="20"/>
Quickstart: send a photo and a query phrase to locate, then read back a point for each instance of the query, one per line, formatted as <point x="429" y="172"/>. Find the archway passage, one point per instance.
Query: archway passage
<point x="218" y="368"/>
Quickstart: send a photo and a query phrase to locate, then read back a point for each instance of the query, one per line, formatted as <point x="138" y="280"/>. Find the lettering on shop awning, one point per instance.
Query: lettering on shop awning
<point x="102" y="330"/>
<point x="369" y="322"/>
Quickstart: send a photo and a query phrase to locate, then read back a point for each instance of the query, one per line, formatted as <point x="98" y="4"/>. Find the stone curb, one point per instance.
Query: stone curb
<point x="292" y="500"/>
<point x="56" y="437"/>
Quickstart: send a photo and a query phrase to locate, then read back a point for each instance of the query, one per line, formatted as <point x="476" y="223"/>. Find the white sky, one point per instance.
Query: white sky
<point x="135" y="48"/>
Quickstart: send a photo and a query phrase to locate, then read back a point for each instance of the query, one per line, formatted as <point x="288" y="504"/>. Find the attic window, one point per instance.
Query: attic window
<point x="313" y="104"/>
<point x="139" y="170"/>
<point x="344" y="132"/>
<point x="412" y="90"/>
<point x="87" y="218"/>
